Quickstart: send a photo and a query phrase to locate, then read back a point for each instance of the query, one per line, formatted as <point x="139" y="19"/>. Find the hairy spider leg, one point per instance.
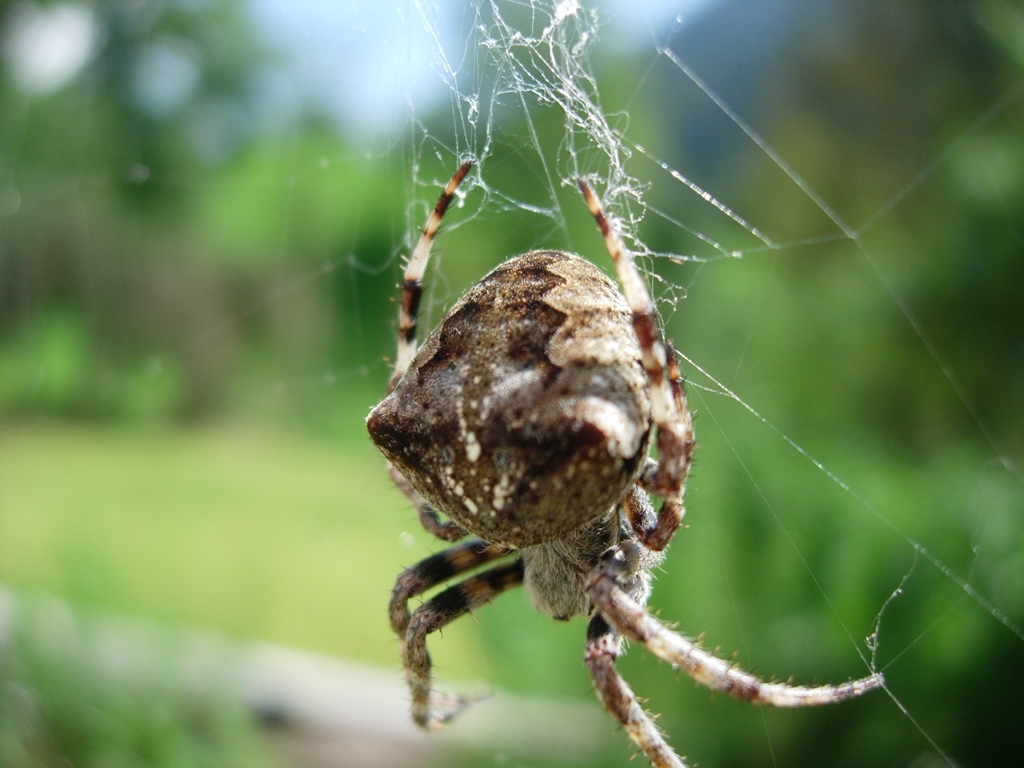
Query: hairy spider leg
<point x="446" y="530"/>
<point x="632" y="620"/>
<point x="412" y="282"/>
<point x="675" y="379"/>
<point x="408" y="316"/>
<point x="667" y="477"/>
<point x="435" y="570"/>
<point x="430" y="709"/>
<point x="604" y="645"/>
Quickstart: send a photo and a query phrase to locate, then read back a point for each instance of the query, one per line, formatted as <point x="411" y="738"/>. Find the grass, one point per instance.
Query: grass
<point x="255" y="532"/>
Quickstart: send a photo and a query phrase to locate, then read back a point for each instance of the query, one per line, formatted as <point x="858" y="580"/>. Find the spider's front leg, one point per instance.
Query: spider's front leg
<point x="431" y="709"/>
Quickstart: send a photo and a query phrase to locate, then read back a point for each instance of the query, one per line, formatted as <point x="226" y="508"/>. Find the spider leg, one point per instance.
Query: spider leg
<point x="675" y="377"/>
<point x="604" y="645"/>
<point x="412" y="282"/>
<point x="667" y="477"/>
<point x="447" y="530"/>
<point x="434" y="570"/>
<point x="630" y="618"/>
<point x="430" y="709"/>
<point x="408" y="316"/>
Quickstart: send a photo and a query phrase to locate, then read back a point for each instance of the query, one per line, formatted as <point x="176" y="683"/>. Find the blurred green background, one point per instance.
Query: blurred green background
<point x="200" y="240"/>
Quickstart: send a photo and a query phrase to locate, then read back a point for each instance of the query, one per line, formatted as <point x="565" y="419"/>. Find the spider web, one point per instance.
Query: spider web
<point x="512" y="71"/>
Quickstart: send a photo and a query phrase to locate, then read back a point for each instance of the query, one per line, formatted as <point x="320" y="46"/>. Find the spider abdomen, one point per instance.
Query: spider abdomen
<point x="525" y="414"/>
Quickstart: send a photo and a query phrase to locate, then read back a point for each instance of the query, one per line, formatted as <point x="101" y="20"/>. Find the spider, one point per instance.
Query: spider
<point x="527" y="418"/>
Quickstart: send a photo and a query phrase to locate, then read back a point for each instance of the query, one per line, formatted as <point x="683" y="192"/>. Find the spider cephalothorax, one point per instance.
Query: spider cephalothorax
<point x="526" y="419"/>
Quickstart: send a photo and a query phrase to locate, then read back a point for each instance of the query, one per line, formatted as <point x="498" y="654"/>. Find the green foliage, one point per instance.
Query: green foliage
<point x="59" y="706"/>
<point x="53" y="369"/>
<point x="176" y="278"/>
<point x="255" y="531"/>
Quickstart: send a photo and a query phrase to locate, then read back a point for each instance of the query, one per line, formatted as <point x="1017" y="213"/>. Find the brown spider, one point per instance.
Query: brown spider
<point x="526" y="418"/>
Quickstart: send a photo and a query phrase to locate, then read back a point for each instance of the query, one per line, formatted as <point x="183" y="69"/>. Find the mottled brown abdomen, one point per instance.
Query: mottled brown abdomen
<point x="524" y="415"/>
